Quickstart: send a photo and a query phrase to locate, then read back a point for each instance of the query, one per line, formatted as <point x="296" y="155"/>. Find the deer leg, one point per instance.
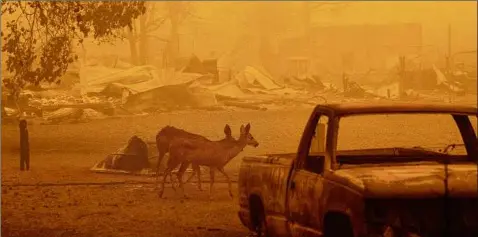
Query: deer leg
<point x="163" y="148"/>
<point x="172" y="164"/>
<point x="228" y="181"/>
<point x="160" y="158"/>
<point x="171" y="180"/>
<point x="157" y="177"/>
<point x="196" y="171"/>
<point x="191" y="176"/>
<point x="165" y="176"/>
<point x="180" y="174"/>
<point x="211" y="182"/>
<point x="166" y="173"/>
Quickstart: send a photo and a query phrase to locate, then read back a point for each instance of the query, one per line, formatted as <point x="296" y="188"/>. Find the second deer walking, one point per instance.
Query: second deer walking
<point x="214" y="154"/>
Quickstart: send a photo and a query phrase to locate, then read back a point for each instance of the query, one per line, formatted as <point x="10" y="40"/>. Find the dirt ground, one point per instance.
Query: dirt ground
<point x="59" y="196"/>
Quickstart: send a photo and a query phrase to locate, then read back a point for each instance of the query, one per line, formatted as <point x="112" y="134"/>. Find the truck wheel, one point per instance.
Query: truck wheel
<point x="261" y="229"/>
<point x="258" y="217"/>
<point x="337" y="225"/>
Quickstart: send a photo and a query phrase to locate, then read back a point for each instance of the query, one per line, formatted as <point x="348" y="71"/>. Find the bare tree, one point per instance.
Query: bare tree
<point x="178" y="11"/>
<point x="144" y="28"/>
<point x="139" y="36"/>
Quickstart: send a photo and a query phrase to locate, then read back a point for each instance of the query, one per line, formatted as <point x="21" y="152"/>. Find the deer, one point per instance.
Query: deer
<point x="197" y="172"/>
<point x="196" y="167"/>
<point x="214" y="154"/>
<point x="168" y="133"/>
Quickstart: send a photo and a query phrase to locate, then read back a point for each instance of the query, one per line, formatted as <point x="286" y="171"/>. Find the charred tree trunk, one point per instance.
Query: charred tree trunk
<point x="143" y="41"/>
<point x="174" y="42"/>
<point x="132" y="45"/>
<point x="177" y="10"/>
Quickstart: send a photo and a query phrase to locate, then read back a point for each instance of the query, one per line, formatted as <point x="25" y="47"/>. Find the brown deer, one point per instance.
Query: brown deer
<point x="196" y="167"/>
<point x="168" y="133"/>
<point x="214" y="154"/>
<point x="197" y="172"/>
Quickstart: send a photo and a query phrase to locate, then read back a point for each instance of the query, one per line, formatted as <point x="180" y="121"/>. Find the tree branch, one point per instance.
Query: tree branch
<point x="31" y="33"/>
<point x="158" y="38"/>
<point x="155" y="24"/>
<point x="149" y="15"/>
<point x="24" y="10"/>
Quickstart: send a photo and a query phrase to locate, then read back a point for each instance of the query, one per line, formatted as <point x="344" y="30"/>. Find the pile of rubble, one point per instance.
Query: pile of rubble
<point x="57" y="107"/>
<point x="97" y="91"/>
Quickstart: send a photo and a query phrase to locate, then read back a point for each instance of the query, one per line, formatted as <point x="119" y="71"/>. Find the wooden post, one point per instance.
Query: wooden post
<point x="24" y="146"/>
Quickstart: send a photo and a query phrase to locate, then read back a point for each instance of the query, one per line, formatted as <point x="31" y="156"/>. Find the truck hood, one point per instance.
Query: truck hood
<point x="410" y="180"/>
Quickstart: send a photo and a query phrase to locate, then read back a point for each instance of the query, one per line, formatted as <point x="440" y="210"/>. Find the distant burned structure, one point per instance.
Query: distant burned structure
<point x="356" y="48"/>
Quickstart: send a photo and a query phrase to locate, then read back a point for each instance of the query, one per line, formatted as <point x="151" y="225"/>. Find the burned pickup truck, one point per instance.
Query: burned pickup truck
<point x="369" y="170"/>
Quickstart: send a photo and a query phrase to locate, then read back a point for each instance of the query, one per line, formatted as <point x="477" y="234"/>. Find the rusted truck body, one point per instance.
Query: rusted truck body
<point x="388" y="191"/>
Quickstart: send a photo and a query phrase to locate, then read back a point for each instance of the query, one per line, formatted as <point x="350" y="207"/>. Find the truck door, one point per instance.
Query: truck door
<point x="306" y="183"/>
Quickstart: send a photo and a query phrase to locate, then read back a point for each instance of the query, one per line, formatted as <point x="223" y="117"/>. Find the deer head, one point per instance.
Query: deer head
<point x="247" y="136"/>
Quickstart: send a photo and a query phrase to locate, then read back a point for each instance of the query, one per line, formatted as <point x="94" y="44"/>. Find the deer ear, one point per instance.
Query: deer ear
<point x="242" y="129"/>
<point x="227" y="130"/>
<point x="248" y="128"/>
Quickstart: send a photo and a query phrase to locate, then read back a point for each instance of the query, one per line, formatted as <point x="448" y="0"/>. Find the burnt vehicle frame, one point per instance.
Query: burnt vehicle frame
<point x="282" y="220"/>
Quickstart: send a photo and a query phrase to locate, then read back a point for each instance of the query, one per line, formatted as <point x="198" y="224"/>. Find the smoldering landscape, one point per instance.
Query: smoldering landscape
<point x="60" y="196"/>
<point x="199" y="66"/>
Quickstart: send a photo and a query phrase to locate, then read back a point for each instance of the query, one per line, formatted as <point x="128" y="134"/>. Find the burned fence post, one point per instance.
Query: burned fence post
<point x="24" y="146"/>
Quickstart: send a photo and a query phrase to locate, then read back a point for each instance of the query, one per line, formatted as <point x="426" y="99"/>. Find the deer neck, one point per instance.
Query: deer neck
<point x="236" y="147"/>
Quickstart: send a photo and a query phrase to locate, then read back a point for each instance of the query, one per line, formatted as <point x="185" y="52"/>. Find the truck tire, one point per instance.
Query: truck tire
<point x="337" y="225"/>
<point x="258" y="217"/>
<point x="262" y="227"/>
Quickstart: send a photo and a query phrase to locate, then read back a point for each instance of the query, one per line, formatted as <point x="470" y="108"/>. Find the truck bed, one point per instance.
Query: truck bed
<point x="267" y="179"/>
